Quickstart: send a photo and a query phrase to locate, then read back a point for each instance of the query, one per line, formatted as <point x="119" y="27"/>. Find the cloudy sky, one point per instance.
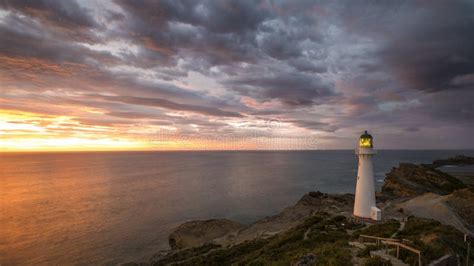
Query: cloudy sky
<point x="235" y="74"/>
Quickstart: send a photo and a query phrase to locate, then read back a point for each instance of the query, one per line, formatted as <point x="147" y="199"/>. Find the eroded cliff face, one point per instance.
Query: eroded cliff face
<point x="408" y="180"/>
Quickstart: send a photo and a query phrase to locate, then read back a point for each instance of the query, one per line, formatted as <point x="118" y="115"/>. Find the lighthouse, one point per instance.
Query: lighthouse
<point x="364" y="205"/>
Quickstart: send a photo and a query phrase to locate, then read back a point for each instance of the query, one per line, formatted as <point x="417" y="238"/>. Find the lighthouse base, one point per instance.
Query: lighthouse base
<point x="375" y="215"/>
<point x="362" y="219"/>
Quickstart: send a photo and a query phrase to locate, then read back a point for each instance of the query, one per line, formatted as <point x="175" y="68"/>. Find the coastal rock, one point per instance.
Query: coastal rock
<point x="456" y="160"/>
<point x="408" y="180"/>
<point x="197" y="233"/>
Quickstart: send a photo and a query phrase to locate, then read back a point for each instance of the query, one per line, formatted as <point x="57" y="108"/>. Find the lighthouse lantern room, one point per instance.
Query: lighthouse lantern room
<point x="364" y="205"/>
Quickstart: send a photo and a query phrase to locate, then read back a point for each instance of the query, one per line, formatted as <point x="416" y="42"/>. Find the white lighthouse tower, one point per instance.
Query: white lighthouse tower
<point x="364" y="205"/>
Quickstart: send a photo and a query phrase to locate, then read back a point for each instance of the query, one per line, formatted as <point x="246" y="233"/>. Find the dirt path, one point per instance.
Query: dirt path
<point x="434" y="207"/>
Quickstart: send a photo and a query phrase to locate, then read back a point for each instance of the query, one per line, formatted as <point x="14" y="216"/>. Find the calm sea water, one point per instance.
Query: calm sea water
<point x="95" y="208"/>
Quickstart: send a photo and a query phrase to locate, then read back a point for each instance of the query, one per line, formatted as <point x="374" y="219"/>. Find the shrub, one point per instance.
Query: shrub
<point x="377" y="261"/>
<point x="386" y="229"/>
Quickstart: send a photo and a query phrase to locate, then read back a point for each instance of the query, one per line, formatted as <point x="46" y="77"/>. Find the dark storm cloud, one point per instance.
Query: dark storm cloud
<point x="221" y="32"/>
<point x="306" y="65"/>
<point x="216" y="16"/>
<point x="163" y="103"/>
<point x="291" y="88"/>
<point x="437" y="51"/>
<point x="425" y="45"/>
<point x="59" y="13"/>
<point x="23" y="39"/>
<point x="48" y="62"/>
<point x="65" y="16"/>
<point x="309" y="124"/>
<point x="218" y="33"/>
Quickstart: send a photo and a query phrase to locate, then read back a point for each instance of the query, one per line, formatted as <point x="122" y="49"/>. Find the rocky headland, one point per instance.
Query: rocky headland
<point x="456" y="160"/>
<point x="424" y="207"/>
<point x="408" y="180"/>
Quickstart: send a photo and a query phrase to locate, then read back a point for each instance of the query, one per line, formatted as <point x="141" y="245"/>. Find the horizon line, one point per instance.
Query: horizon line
<point x="210" y="150"/>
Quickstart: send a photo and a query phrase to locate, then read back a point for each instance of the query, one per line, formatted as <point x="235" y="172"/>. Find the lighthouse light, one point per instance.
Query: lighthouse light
<point x="365" y="143"/>
<point x="365" y="140"/>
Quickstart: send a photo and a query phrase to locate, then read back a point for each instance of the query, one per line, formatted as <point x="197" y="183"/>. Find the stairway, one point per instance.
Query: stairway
<point x="384" y="255"/>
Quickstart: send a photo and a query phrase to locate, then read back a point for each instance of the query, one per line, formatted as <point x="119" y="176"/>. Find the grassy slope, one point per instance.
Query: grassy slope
<point x="326" y="238"/>
<point x="381" y="230"/>
<point x="432" y="238"/>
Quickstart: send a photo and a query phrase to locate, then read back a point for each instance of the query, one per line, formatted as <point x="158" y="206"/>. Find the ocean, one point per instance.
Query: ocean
<point x="116" y="207"/>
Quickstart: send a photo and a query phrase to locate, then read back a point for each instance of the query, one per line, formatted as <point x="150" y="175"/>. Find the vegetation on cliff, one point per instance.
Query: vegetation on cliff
<point x="432" y="238"/>
<point x="321" y="239"/>
<point x="386" y="229"/>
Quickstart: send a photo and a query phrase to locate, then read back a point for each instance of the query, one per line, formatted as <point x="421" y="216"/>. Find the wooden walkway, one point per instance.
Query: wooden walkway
<point x="391" y="242"/>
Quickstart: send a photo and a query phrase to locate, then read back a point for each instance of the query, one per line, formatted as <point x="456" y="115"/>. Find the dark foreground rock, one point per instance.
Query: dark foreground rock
<point x="408" y="180"/>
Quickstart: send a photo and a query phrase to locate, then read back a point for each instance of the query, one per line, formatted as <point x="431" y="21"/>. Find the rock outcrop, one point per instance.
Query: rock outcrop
<point x="197" y="233"/>
<point x="456" y="160"/>
<point x="408" y="180"/>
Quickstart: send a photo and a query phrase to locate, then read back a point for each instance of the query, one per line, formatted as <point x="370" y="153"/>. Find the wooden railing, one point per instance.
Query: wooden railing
<point x="393" y="242"/>
<point x="377" y="239"/>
